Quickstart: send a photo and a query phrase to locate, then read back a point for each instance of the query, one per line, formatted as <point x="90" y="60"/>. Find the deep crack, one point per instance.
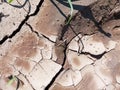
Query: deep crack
<point x="94" y="56"/>
<point x="14" y="32"/>
<point x="55" y="77"/>
<point x="22" y="23"/>
<point x="37" y="8"/>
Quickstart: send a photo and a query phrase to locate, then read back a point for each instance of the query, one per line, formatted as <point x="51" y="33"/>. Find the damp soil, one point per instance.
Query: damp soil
<point x="88" y="21"/>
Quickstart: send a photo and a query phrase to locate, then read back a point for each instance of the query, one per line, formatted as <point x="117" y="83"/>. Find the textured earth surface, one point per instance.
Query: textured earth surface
<point x="38" y="51"/>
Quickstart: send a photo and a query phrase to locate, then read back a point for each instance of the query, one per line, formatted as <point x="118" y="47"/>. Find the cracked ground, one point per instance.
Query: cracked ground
<point x="38" y="51"/>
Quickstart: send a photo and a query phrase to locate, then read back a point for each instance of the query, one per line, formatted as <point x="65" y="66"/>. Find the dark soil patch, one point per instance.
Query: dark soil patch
<point x="87" y="22"/>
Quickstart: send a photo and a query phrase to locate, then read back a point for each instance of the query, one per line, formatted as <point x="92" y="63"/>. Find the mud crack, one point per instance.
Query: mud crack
<point x="27" y="80"/>
<point x="38" y="33"/>
<point x="55" y="77"/>
<point x="88" y="21"/>
<point x="22" y="23"/>
<point x="59" y="45"/>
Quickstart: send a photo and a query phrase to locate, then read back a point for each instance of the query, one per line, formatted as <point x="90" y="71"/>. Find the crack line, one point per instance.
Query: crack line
<point x="37" y="33"/>
<point x="62" y="68"/>
<point x="6" y="37"/>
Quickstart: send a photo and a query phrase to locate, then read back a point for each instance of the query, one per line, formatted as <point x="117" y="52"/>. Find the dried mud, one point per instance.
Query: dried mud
<point x="91" y="20"/>
<point x="40" y="63"/>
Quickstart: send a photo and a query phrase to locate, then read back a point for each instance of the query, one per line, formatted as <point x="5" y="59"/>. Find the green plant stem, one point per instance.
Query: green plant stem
<point x="11" y="81"/>
<point x="9" y="1"/>
<point x="69" y="19"/>
<point x="71" y="11"/>
<point x="71" y="7"/>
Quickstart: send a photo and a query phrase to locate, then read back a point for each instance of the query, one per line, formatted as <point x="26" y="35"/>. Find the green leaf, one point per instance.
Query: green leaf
<point x="9" y="1"/>
<point x="11" y="81"/>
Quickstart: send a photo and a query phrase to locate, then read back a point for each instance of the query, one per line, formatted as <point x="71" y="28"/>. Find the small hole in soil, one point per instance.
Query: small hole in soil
<point x="10" y="77"/>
